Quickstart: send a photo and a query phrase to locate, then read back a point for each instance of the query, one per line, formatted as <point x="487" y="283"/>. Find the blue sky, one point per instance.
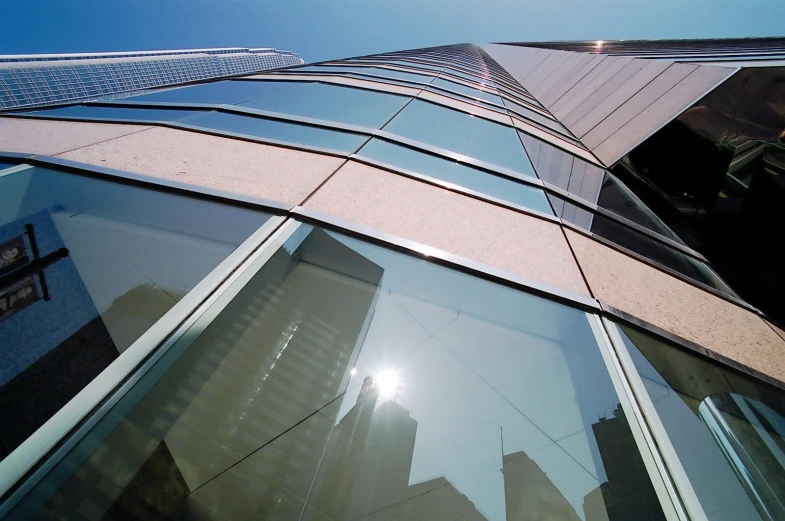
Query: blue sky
<point x="327" y="29"/>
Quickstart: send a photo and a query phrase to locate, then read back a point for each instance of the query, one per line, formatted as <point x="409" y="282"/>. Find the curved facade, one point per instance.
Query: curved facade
<point x="419" y="285"/>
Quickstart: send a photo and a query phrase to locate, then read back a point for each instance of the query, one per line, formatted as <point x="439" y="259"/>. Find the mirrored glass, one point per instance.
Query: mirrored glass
<point x="117" y="113"/>
<point x="374" y="71"/>
<point x="461" y="133"/>
<point x="215" y="93"/>
<point x="468" y="91"/>
<point x="642" y="244"/>
<point x="728" y="429"/>
<point x="294" y="133"/>
<point x="484" y="79"/>
<point x="7" y="164"/>
<point x="456" y="173"/>
<point x="426" y="394"/>
<point x="329" y="102"/>
<point x="87" y="266"/>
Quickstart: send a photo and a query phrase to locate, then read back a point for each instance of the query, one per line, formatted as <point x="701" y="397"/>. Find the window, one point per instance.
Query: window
<point x="258" y="127"/>
<point x="215" y="93"/>
<point x="454" y="172"/>
<point x="88" y="112"/>
<point x="87" y="267"/>
<point x="349" y="105"/>
<point x="446" y="380"/>
<point x="462" y="133"/>
<point x="728" y="430"/>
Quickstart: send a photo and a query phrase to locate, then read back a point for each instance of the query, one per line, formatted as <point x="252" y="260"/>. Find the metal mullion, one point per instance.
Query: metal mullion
<point x="731" y="298"/>
<point x="37" y="455"/>
<point x="683" y="492"/>
<point x="648" y="448"/>
<point x="15" y="169"/>
<point x="449" y="154"/>
<point x="458" y="188"/>
<point x="444" y="258"/>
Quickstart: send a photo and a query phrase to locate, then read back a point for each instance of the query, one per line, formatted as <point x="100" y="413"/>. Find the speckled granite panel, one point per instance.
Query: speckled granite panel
<point x="226" y="164"/>
<point x="49" y="137"/>
<point x="678" y="307"/>
<point x="452" y="222"/>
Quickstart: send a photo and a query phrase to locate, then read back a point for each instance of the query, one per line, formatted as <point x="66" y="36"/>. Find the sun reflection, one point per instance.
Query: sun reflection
<point x="387" y="382"/>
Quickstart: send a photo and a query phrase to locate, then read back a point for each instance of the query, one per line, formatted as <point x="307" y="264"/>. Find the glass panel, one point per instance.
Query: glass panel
<point x="7" y="164"/>
<point x="468" y="91"/>
<point x="641" y="244"/>
<point x="349" y="105"/>
<point x="280" y="130"/>
<point x="728" y="429"/>
<point x="536" y="117"/>
<point x="461" y="133"/>
<point x="426" y="394"/>
<point x="88" y="266"/>
<point x="483" y="78"/>
<point x="457" y="173"/>
<point x="591" y="183"/>
<point x="216" y="93"/>
<point x="373" y="71"/>
<point x="117" y="113"/>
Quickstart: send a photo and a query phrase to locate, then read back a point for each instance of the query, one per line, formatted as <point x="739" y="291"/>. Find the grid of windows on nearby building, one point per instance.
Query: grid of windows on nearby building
<point x="36" y="80"/>
<point x="247" y="344"/>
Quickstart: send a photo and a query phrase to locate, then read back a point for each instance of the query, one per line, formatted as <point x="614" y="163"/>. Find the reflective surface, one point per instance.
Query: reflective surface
<point x="727" y="429"/>
<point x="640" y="243"/>
<point x="463" y="89"/>
<point x="215" y="93"/>
<point x="716" y="175"/>
<point x="426" y="394"/>
<point x="87" y="266"/>
<point x="280" y="131"/>
<point x="591" y="183"/>
<point x="117" y="113"/>
<point x="457" y="173"/>
<point x="461" y="133"/>
<point x="371" y="71"/>
<point x="354" y="106"/>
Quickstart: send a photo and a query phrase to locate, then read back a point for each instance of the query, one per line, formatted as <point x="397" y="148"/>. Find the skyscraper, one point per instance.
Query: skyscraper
<point x="32" y="80"/>
<point x="360" y="289"/>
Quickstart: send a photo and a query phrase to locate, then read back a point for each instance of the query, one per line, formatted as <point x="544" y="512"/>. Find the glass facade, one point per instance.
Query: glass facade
<point x="727" y="429"/>
<point x="405" y="402"/>
<point x="87" y="267"/>
<point x="35" y="80"/>
<point x="253" y="359"/>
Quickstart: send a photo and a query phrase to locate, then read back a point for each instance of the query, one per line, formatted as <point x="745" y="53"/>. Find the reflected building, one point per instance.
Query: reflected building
<point x="529" y="494"/>
<point x="219" y="264"/>
<point x="624" y="496"/>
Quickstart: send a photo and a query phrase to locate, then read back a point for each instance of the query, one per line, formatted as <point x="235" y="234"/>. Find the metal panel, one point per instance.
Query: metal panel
<point x="616" y="97"/>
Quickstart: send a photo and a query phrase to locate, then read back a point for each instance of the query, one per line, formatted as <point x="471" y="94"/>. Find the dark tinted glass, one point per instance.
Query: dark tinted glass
<point x="333" y="103"/>
<point x="87" y="266"/>
<point x="728" y="430"/>
<point x="462" y="133"/>
<point x="118" y="113"/>
<point x="591" y="183"/>
<point x="425" y="395"/>
<point x="7" y="164"/>
<point x="457" y="173"/>
<point x="468" y="91"/>
<point x="643" y="245"/>
<point x="216" y="93"/>
<point x="280" y="130"/>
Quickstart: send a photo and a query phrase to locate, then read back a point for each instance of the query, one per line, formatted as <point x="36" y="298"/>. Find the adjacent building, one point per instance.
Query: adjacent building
<point x="32" y="80"/>
<point x="469" y="283"/>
